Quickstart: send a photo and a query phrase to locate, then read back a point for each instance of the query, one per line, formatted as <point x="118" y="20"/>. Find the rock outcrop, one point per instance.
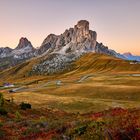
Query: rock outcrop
<point x="79" y="38"/>
<point x="48" y="44"/>
<point x="81" y="31"/>
<point x="24" y="50"/>
<point x="10" y="57"/>
<point x="23" y="43"/>
<point x="4" y="52"/>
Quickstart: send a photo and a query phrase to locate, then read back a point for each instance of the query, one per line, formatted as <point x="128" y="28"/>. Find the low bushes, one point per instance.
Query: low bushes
<point x="25" y="106"/>
<point x="2" y="109"/>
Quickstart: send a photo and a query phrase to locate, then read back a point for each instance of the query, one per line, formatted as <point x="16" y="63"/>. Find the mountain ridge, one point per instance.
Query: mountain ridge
<point x="63" y="48"/>
<point x="90" y="63"/>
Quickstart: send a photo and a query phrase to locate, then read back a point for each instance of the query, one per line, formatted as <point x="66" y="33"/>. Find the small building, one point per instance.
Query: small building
<point x="58" y="83"/>
<point x="6" y="85"/>
<point x="134" y="62"/>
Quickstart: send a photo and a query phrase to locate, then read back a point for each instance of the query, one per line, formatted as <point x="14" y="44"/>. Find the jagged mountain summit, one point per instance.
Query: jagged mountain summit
<point x="72" y="40"/>
<point x="78" y="39"/>
<point x="23" y="43"/>
<point x="24" y="50"/>
<point x="10" y="57"/>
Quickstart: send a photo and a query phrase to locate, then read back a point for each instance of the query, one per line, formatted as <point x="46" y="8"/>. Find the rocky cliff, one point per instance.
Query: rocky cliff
<point x="79" y="38"/>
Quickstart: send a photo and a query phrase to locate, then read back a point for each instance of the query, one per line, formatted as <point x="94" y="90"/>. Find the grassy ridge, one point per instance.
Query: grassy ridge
<point x="104" y="63"/>
<point x="88" y="63"/>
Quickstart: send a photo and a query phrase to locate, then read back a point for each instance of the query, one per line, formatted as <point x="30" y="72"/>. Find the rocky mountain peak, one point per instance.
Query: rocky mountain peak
<point x="24" y="42"/>
<point x="83" y="24"/>
<point x="77" y="39"/>
<point x="81" y="31"/>
<point x="24" y="50"/>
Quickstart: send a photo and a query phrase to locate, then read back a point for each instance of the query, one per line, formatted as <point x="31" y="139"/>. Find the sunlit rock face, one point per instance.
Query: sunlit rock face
<point x="24" y="50"/>
<point x="79" y="38"/>
<point x="84" y="38"/>
<point x="81" y="31"/>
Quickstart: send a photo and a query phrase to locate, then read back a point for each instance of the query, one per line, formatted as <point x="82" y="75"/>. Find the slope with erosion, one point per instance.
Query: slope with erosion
<point x="90" y="63"/>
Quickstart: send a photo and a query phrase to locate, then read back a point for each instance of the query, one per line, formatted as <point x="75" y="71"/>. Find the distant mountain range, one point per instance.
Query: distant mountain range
<point x="62" y="49"/>
<point x="22" y="51"/>
<point x="129" y="56"/>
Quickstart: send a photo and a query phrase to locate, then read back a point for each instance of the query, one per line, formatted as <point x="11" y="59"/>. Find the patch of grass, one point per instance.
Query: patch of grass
<point x="101" y="91"/>
<point x="17" y="116"/>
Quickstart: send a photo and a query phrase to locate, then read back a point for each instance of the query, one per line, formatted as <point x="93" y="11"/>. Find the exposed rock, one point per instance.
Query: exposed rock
<point x="23" y="43"/>
<point x="60" y="50"/>
<point x="79" y="38"/>
<point x="48" y="43"/>
<point x="81" y="31"/>
<point x="24" y="50"/>
<point x="10" y="57"/>
<point x="55" y="63"/>
<point x="63" y="49"/>
<point x="4" y="52"/>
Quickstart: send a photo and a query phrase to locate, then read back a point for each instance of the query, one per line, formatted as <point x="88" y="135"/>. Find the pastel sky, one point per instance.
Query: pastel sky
<point x="117" y="22"/>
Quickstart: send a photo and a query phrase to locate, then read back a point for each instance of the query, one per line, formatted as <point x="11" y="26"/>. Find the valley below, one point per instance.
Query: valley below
<point x="72" y="107"/>
<point x="83" y="94"/>
<point x="69" y="88"/>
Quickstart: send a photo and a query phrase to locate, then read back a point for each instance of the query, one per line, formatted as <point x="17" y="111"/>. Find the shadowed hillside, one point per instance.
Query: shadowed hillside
<point x="86" y="64"/>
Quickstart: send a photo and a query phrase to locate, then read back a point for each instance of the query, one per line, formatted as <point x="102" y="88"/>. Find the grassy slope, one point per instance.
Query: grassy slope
<point x="89" y="63"/>
<point x="103" y="63"/>
<point x="110" y="85"/>
<point x="109" y="80"/>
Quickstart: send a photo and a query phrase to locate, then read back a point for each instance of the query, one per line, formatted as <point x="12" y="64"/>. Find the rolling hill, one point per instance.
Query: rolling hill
<point x="87" y="64"/>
